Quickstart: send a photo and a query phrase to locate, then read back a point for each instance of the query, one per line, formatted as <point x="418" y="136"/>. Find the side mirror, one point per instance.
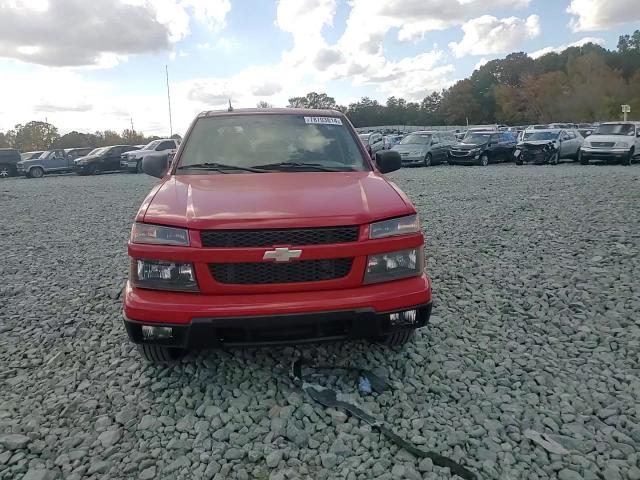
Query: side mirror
<point x="638" y="133"/>
<point x="155" y="165"/>
<point x="388" y="161"/>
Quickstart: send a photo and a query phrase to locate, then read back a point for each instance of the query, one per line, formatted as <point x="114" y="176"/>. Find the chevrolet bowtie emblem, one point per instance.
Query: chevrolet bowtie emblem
<point x="281" y="254"/>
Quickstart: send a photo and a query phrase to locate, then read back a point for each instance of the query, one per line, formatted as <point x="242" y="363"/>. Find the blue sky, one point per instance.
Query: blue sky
<point x="100" y="64"/>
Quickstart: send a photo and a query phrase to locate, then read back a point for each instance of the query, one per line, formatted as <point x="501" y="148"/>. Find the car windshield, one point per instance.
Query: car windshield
<point x="416" y="139"/>
<point x="151" y="145"/>
<point x="97" y="151"/>
<point x="615" y="129"/>
<point x="541" y="135"/>
<point x="477" y="138"/>
<point x="285" y="142"/>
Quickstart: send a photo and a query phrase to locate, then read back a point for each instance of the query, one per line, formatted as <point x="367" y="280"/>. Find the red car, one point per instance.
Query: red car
<point x="273" y="227"/>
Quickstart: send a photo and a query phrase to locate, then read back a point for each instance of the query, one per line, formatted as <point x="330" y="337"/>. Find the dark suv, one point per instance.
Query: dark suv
<point x="482" y="148"/>
<point x="102" y="160"/>
<point x="9" y="158"/>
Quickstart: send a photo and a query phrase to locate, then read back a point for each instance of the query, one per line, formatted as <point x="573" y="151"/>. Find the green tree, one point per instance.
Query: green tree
<point x="4" y="141"/>
<point x="313" y="100"/>
<point x="33" y="135"/>
<point x="263" y="104"/>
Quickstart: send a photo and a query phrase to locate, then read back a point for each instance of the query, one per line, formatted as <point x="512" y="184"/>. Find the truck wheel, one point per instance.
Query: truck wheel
<point x="160" y="353"/>
<point x="6" y="171"/>
<point x="397" y="339"/>
<point x="427" y="160"/>
<point x="36" y="172"/>
<point x="627" y="161"/>
<point x="483" y="161"/>
<point x="582" y="160"/>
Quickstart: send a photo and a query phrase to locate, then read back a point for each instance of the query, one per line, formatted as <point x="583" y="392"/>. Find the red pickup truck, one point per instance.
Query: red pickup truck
<point x="273" y="227"/>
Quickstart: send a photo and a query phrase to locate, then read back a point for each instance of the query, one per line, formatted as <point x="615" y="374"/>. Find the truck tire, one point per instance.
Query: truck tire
<point x="397" y="339"/>
<point x="36" y="172"/>
<point x="627" y="161"/>
<point x="160" y="354"/>
<point x="582" y="160"/>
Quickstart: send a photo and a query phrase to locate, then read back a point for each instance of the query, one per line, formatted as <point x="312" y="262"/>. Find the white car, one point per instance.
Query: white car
<point x="132" y="161"/>
<point x="617" y="142"/>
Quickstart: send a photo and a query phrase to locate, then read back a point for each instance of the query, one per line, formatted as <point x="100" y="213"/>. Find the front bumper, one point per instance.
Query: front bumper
<point x="411" y="160"/>
<point x="129" y="164"/>
<point x="209" y="321"/>
<point x="466" y="159"/>
<point x="601" y="154"/>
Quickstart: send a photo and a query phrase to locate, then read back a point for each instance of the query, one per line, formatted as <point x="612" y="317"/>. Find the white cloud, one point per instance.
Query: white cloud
<point x="558" y="49"/>
<point x="592" y="15"/>
<point x="491" y="35"/>
<point x="98" y="32"/>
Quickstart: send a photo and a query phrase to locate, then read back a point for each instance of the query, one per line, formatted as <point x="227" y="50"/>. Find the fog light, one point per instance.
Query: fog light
<point x="408" y="317"/>
<point x="156" y="333"/>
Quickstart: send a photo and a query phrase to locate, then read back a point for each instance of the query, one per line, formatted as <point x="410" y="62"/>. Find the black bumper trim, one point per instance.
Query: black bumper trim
<point x="279" y="329"/>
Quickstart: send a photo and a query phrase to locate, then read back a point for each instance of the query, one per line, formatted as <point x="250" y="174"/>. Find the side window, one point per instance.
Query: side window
<point x="571" y="134"/>
<point x="114" y="151"/>
<point x="167" y="145"/>
<point x="435" y="139"/>
<point x="564" y="136"/>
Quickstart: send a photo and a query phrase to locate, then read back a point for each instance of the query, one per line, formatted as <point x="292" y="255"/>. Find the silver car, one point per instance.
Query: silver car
<point x="425" y="148"/>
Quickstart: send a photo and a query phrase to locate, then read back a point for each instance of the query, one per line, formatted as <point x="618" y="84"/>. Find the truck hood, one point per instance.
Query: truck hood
<point x="273" y="200"/>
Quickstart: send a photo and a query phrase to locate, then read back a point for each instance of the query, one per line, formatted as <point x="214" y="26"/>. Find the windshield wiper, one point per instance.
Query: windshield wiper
<point x="219" y="167"/>
<point x="300" y="165"/>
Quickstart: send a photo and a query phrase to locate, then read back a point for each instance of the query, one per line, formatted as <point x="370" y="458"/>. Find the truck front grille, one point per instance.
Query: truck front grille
<point x="264" y="273"/>
<point x="270" y="238"/>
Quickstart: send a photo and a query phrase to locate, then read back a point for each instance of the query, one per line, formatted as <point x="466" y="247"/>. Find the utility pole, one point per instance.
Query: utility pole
<point x="132" y="129"/>
<point x="166" y="69"/>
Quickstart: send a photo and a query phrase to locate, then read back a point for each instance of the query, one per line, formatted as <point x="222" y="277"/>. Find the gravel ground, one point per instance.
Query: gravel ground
<point x="535" y="326"/>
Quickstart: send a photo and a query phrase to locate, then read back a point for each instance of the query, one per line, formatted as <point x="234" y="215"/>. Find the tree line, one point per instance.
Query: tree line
<point x="37" y="135"/>
<point x="579" y="84"/>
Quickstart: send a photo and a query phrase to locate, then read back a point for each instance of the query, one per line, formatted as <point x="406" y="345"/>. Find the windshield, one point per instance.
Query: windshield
<point x="97" y="151"/>
<point x="615" y="129"/>
<point x="151" y="145"/>
<point x="477" y="138"/>
<point x="252" y="140"/>
<point x="416" y="139"/>
<point x="541" y="135"/>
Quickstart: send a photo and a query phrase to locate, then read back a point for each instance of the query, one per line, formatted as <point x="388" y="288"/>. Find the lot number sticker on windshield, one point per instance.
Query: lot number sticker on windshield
<point x="322" y="120"/>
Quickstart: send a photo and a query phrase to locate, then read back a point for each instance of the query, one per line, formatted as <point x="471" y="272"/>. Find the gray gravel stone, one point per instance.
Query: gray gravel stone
<point x="39" y="474"/>
<point x="14" y="441"/>
<point x="534" y="271"/>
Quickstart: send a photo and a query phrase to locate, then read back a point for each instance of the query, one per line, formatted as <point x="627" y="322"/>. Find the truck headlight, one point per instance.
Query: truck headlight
<point x="163" y="275"/>
<point x="386" y="267"/>
<point x="159" y="235"/>
<point x="395" y="226"/>
<point x="621" y="145"/>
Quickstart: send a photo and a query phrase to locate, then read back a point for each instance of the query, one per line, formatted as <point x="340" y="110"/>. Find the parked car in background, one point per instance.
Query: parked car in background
<point x="9" y="158"/>
<point x="132" y="160"/>
<point x="51" y="161"/>
<point x="425" y="148"/>
<point x="548" y="146"/>
<point x="74" y="153"/>
<point x="554" y="126"/>
<point x="103" y="159"/>
<point x="373" y="142"/>
<point x="224" y="253"/>
<point x="483" y="148"/>
<point x="538" y="127"/>
<point x="585" y="132"/>
<point x="391" y="140"/>
<point x="612" y="142"/>
<point x="31" y="155"/>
